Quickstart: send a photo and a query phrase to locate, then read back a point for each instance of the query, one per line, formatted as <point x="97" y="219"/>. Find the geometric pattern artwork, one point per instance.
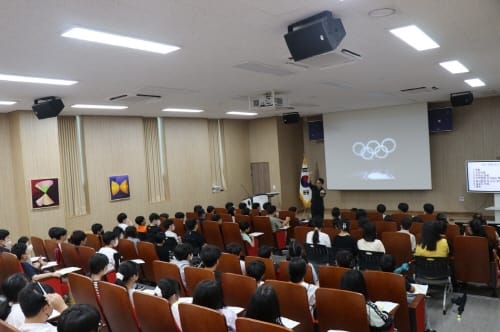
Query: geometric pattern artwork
<point x="44" y="193"/>
<point x="119" y="187"/>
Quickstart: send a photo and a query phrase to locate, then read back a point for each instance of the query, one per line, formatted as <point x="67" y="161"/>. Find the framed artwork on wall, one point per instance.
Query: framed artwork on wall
<point x="44" y="193"/>
<point x="119" y="187"/>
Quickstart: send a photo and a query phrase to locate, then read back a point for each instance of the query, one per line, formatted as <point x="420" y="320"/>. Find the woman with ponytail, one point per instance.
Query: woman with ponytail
<point x="316" y="236"/>
<point x="127" y="275"/>
<point x="344" y="240"/>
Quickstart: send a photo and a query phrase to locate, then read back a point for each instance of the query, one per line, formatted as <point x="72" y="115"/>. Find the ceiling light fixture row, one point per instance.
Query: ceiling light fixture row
<point x="419" y="40"/>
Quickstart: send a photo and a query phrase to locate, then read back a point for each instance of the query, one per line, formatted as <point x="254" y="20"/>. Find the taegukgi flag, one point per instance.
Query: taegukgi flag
<point x="305" y="190"/>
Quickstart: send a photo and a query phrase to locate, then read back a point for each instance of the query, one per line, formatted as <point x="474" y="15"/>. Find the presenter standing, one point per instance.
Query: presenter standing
<point x="317" y="195"/>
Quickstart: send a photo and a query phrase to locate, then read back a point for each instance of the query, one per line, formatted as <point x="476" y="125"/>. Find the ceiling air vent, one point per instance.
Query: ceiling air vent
<point x="133" y="98"/>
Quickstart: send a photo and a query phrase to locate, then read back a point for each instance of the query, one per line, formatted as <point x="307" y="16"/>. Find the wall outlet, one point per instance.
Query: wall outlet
<point x="461" y="198"/>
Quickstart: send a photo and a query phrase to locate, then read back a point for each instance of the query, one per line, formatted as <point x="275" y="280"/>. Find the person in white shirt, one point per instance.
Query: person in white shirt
<point x="316" y="236"/>
<point x="123" y="221"/>
<point x="37" y="303"/>
<point x="405" y="228"/>
<point x="11" y="288"/>
<point x="369" y="242"/>
<point x="169" y="233"/>
<point x="110" y="240"/>
<point x="297" y="268"/>
<point x="183" y="253"/>
<point x="169" y="289"/>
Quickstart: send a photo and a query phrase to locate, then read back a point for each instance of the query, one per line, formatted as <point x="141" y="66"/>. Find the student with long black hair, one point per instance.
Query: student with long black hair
<point x="431" y="243"/>
<point x="264" y="305"/>
<point x="208" y="293"/>
<point x="127" y="275"/>
<point x="316" y="236"/>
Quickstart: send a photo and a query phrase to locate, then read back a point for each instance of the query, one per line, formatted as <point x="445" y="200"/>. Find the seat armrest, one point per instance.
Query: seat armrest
<point x="417" y="313"/>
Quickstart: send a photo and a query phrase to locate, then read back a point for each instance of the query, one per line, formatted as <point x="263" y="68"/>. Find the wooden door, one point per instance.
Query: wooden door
<point x="261" y="182"/>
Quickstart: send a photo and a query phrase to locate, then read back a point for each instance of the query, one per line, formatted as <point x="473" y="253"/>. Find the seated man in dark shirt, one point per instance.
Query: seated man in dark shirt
<point x="161" y="247"/>
<point x="192" y="237"/>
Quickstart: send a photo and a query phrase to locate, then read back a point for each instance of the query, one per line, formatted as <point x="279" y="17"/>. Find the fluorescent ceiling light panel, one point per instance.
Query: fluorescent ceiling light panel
<point x="454" y="67"/>
<point x="242" y="113"/>
<point x="39" y="80"/>
<point x="117" y="40"/>
<point x="100" y="107"/>
<point x="416" y="38"/>
<point x="7" y="103"/>
<point x="475" y="82"/>
<point x="181" y="110"/>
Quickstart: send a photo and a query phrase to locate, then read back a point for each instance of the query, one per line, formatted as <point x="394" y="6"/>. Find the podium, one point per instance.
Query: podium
<point x="260" y="198"/>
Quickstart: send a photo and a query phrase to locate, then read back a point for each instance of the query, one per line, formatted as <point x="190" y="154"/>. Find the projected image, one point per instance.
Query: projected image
<point x="374" y="149"/>
<point x="378" y="149"/>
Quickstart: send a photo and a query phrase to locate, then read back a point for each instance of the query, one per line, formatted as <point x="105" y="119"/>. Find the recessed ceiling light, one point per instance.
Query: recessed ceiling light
<point x="454" y="67"/>
<point x="242" y="113"/>
<point x="475" y="82"/>
<point x="7" y="103"/>
<point x="381" y="12"/>
<point x="39" y="80"/>
<point x="117" y="40"/>
<point x="101" y="107"/>
<point x="182" y="110"/>
<point x="416" y="38"/>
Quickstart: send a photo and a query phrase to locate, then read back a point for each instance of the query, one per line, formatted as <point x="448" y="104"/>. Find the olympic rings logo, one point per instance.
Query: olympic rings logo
<point x="374" y="149"/>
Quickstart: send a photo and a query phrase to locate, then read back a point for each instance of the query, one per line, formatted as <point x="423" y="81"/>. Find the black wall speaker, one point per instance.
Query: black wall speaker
<point x="314" y="35"/>
<point x="47" y="107"/>
<point x="292" y="117"/>
<point x="440" y="119"/>
<point x="461" y="98"/>
<point x="316" y="130"/>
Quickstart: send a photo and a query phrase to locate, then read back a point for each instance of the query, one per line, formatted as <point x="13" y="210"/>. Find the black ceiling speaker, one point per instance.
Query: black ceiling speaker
<point x="461" y="98"/>
<point x="292" y="117"/>
<point x="314" y="35"/>
<point x="47" y="107"/>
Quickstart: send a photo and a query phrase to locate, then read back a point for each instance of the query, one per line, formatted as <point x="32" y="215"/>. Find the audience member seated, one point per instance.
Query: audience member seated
<point x="98" y="266"/>
<point x="162" y="247"/>
<point x="120" y="233"/>
<point x="477" y="229"/>
<point x="344" y="258"/>
<point x="192" y="235"/>
<point x="110" y="241"/>
<point x="132" y="235"/>
<point x="210" y="209"/>
<point x="244" y="230"/>
<point x="276" y="223"/>
<point x="10" y="310"/>
<point x="256" y="270"/>
<point x="236" y="249"/>
<point x="405" y="228"/>
<point x="34" y="272"/>
<point x="403" y="207"/>
<point x="210" y="255"/>
<point x="79" y="318"/>
<point x="388" y="264"/>
<point x="381" y="209"/>
<point x="336" y="217"/>
<point x="344" y="240"/>
<point x="127" y="276"/>
<point x="296" y="250"/>
<point x="163" y="217"/>
<point x="208" y="293"/>
<point x="297" y="270"/>
<point x="217" y="218"/>
<point x="97" y="229"/>
<point x="169" y="289"/>
<point x="171" y="236"/>
<point x="5" y="241"/>
<point x="78" y="238"/>
<point x="59" y="234"/>
<point x="354" y="281"/>
<point x="37" y="303"/>
<point x="183" y="253"/>
<point x="431" y="243"/>
<point x="316" y="236"/>
<point x="142" y="228"/>
<point x="369" y="242"/>
<point x="122" y="220"/>
<point x="264" y="305"/>
<point x="153" y="227"/>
